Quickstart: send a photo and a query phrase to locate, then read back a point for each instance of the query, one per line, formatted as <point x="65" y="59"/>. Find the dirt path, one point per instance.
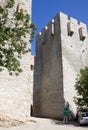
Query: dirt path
<point x="46" y="124"/>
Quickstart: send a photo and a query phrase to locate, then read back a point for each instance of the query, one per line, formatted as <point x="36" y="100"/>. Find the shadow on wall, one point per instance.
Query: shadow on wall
<point x="31" y="110"/>
<point x="36" y="108"/>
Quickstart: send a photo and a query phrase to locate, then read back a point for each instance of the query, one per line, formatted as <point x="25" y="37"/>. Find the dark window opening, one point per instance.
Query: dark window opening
<point x="43" y="43"/>
<point x="32" y="67"/>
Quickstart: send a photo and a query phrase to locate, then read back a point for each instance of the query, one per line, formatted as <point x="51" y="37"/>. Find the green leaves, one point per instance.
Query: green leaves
<point x="81" y="87"/>
<point x="19" y="16"/>
<point x="9" y="4"/>
<point x="14" y="32"/>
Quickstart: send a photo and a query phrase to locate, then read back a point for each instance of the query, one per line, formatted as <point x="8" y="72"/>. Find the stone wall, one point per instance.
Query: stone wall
<point x="61" y="50"/>
<point x="16" y="91"/>
<point x="74" y="55"/>
<point x="48" y="75"/>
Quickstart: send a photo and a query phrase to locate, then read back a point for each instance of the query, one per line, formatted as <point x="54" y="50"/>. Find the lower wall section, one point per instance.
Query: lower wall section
<point x="16" y="92"/>
<point x="48" y="98"/>
<point x="69" y="79"/>
<point x="50" y="105"/>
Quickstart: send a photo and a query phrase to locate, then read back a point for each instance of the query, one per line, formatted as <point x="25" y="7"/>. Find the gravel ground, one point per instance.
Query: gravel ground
<point x="45" y="124"/>
<point x="8" y="122"/>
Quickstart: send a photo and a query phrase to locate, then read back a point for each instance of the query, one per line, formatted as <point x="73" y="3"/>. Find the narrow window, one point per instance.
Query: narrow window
<point x="32" y="67"/>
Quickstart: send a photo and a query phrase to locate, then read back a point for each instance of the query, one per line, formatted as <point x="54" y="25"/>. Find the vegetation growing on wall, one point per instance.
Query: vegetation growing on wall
<point x="81" y="87"/>
<point x="13" y="31"/>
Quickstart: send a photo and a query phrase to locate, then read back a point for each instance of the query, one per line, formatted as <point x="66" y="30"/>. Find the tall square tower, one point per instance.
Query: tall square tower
<point x="61" y="50"/>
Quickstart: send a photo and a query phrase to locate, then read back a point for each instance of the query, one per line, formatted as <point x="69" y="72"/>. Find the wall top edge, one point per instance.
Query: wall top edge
<point x="62" y="16"/>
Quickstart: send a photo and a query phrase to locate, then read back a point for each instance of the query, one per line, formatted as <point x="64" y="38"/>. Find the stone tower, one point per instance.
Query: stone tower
<point x="61" y="50"/>
<point x="16" y="91"/>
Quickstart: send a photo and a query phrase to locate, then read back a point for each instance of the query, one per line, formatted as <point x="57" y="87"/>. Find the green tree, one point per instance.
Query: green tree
<point x="81" y="87"/>
<point x="13" y="31"/>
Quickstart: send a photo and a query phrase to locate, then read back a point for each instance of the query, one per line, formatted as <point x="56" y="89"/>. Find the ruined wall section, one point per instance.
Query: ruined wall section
<point x="16" y="91"/>
<point x="48" y="76"/>
<point x="74" y="54"/>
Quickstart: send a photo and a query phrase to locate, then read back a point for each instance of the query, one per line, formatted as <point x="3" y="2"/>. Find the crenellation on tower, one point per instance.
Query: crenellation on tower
<point x="75" y="21"/>
<point x="73" y="26"/>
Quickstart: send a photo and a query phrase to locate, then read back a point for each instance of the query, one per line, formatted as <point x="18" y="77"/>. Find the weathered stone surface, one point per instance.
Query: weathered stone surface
<point x="59" y="57"/>
<point x="74" y="56"/>
<point x="16" y="91"/>
<point x="48" y="78"/>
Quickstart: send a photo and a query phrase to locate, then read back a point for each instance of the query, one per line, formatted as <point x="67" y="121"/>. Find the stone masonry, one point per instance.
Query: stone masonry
<point x="61" y="50"/>
<point x="16" y="91"/>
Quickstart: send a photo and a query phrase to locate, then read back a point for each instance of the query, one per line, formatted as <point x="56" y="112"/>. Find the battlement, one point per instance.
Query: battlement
<point x="71" y="25"/>
<point x="71" y="19"/>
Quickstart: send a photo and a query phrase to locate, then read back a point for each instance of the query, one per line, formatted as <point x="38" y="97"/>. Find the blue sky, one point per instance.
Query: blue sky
<point x="45" y="10"/>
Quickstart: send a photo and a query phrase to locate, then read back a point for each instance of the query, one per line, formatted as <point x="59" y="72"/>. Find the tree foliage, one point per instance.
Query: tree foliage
<point x="81" y="87"/>
<point x="14" y="30"/>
